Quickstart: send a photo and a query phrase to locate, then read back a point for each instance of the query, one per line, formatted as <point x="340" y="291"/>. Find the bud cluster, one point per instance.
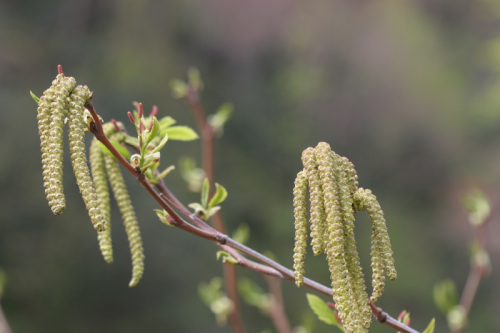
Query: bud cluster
<point x="334" y="200"/>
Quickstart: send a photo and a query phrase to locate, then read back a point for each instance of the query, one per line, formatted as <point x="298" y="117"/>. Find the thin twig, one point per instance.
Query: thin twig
<point x="277" y="309"/>
<point x="207" y="149"/>
<point x="223" y="239"/>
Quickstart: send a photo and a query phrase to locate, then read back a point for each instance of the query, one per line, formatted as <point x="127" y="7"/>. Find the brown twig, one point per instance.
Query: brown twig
<point x="477" y="272"/>
<point x="277" y="309"/>
<point x="207" y="138"/>
<point x="223" y="239"/>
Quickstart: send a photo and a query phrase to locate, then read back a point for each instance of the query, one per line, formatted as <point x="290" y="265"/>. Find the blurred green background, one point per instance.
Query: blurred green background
<point x="408" y="90"/>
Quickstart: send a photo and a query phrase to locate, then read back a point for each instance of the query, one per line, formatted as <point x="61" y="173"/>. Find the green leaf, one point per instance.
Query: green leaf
<point x="477" y="204"/>
<point x="166" y="122"/>
<point x="226" y="258"/>
<point x="211" y="211"/>
<point x="165" y="172"/>
<point x="220" y="117"/>
<point x="162" y="215"/>
<point x="430" y="327"/>
<point x="324" y="313"/>
<point x="242" y="233"/>
<point x="37" y="100"/>
<point x="204" y="193"/>
<point x="253" y="294"/>
<point x="181" y="133"/>
<point x="197" y="208"/>
<point x="219" y="196"/>
<point x="161" y="144"/>
<point x="155" y="130"/>
<point x="194" y="79"/>
<point x="132" y="141"/>
<point x="122" y="150"/>
<point x="445" y="295"/>
<point x="179" y="88"/>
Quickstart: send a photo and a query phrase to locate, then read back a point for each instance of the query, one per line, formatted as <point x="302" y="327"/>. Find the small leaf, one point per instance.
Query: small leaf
<point x="194" y="79"/>
<point x="155" y="130"/>
<point x="198" y="210"/>
<point x="132" y="141"/>
<point x="161" y="144"/>
<point x="122" y="150"/>
<point x="253" y="294"/>
<point x="242" y="233"/>
<point x="166" y="122"/>
<point x="219" y="196"/>
<point x="179" y="88"/>
<point x="211" y="211"/>
<point x="445" y="295"/>
<point x="204" y="193"/>
<point x="37" y="100"/>
<point x="324" y="313"/>
<point x="457" y="318"/>
<point x="220" y="117"/>
<point x="477" y="204"/>
<point x="166" y="172"/>
<point x="226" y="258"/>
<point x="430" y="327"/>
<point x="181" y="133"/>
<point x="162" y="215"/>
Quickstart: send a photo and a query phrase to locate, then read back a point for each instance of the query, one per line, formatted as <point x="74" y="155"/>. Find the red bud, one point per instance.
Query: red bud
<point x="140" y="110"/>
<point x="131" y="117"/>
<point x="60" y="70"/>
<point x="154" y="112"/>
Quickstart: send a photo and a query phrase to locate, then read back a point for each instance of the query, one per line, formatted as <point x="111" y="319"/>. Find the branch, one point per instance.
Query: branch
<point x="220" y="238"/>
<point x="277" y="309"/>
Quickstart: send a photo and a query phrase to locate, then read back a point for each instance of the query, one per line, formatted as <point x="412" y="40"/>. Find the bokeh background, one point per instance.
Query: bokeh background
<point x="408" y="90"/>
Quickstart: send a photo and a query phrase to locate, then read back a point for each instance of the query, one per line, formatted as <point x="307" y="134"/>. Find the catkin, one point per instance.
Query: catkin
<point x="300" y="212"/>
<point x="334" y="199"/>
<point x="101" y="185"/>
<point x="76" y="132"/>
<point x="44" y="113"/>
<point x="129" y="219"/>
<point x="59" y="106"/>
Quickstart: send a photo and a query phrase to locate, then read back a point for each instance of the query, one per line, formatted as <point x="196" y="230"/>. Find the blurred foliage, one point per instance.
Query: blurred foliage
<point x="407" y="90"/>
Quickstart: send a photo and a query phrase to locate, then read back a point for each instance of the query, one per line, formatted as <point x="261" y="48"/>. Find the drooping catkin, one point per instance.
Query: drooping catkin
<point x="129" y="219"/>
<point x="59" y="106"/>
<point x="300" y="213"/>
<point x="44" y="113"/>
<point x="101" y="185"/>
<point x="334" y="199"/>
<point x="76" y="133"/>
<point x="382" y="260"/>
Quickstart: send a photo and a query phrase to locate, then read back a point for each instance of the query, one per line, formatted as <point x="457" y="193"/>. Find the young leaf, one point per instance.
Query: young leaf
<point x="122" y="150"/>
<point x="253" y="294"/>
<point x="37" y="100"/>
<point x="166" y="122"/>
<point x="204" y="192"/>
<point x="181" y="133"/>
<point x="162" y="215"/>
<point x="324" y="313"/>
<point x="430" y="327"/>
<point x="445" y="295"/>
<point x="155" y="130"/>
<point x="226" y="258"/>
<point x="219" y="196"/>
<point x="242" y="233"/>
<point x="179" y="88"/>
<point x="197" y="208"/>
<point x="220" y="117"/>
<point x="161" y="144"/>
<point x="211" y="211"/>
<point x="131" y="140"/>
<point x="194" y="79"/>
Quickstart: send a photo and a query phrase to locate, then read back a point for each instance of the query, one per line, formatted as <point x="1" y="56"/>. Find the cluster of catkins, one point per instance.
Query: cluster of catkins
<point x="334" y="200"/>
<point x="63" y="99"/>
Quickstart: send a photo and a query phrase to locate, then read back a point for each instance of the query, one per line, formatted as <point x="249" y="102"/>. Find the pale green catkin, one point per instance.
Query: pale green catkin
<point x="382" y="260"/>
<point x="101" y="185"/>
<point x="76" y="132"/>
<point x="59" y="104"/>
<point x="300" y="213"/>
<point x="129" y="219"/>
<point x="316" y="198"/>
<point x="335" y="198"/>
<point x="44" y="112"/>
